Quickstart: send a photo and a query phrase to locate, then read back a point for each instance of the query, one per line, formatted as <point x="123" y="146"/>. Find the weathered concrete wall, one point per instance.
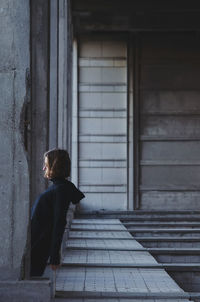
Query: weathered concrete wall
<point x="169" y="112"/>
<point x="14" y="187"/>
<point x="25" y="291"/>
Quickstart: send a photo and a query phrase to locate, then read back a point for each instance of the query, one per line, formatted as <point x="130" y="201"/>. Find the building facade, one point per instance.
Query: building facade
<point x="117" y="84"/>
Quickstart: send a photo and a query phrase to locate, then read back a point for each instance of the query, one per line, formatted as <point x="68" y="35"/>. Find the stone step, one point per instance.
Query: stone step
<point x="137" y="251"/>
<point x="162" y="255"/>
<point x="124" y="234"/>
<point x="174" y="251"/>
<point x="131" y="215"/>
<point x="136" y="212"/>
<point x="177" y="267"/>
<point x="190" y="239"/>
<point x="132" y="226"/>
<point x="97" y="221"/>
<point x="140" y="219"/>
<point x="178" y="232"/>
<point x="177" y="258"/>
<point x="169" y="242"/>
<point x="169" y="218"/>
<point x="108" y="256"/>
<point x="181" y="251"/>
<point x="125" y="297"/>
<point x="138" y="299"/>
<point x="115" y="282"/>
<point x="103" y="261"/>
<point x="97" y="227"/>
<point x="135" y="233"/>
<point x="136" y="258"/>
<point x="164" y="224"/>
<point x="112" y="244"/>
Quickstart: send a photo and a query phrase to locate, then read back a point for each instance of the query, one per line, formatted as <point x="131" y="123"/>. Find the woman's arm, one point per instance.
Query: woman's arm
<point x="60" y="207"/>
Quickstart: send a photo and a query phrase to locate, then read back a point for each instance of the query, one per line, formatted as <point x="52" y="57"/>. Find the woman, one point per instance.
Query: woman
<point x="48" y="217"/>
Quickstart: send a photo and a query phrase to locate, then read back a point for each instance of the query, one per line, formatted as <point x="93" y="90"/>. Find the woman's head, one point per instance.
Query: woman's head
<point x="57" y="164"/>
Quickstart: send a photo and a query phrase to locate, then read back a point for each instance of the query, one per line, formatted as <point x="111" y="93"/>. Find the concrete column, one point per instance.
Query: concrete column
<point x="53" y="88"/>
<point x="74" y="172"/>
<point x="64" y="75"/>
<point x="60" y="75"/>
<point x="40" y="21"/>
<point x="14" y="174"/>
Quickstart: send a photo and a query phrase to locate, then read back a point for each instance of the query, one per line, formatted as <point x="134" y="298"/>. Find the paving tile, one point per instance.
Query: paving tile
<point x="117" y="257"/>
<point x="111" y="281"/>
<point x="115" y="280"/>
<point x="99" y="226"/>
<point x="104" y="243"/>
<point x="97" y="221"/>
<point x="118" y="300"/>
<point x="97" y="234"/>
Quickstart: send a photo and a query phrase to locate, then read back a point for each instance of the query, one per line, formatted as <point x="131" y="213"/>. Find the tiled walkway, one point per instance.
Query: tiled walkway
<point x="103" y="262"/>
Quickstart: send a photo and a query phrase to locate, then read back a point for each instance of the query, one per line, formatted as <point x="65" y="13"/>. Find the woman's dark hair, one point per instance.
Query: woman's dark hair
<point x="59" y="163"/>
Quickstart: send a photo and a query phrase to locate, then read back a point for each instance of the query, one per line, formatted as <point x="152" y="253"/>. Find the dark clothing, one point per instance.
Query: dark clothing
<point x="48" y="220"/>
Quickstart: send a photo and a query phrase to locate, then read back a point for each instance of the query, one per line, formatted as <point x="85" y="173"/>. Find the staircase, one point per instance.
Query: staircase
<point x="130" y="256"/>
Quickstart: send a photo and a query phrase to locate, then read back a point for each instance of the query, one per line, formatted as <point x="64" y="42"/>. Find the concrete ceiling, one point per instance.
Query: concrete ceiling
<point x="135" y="15"/>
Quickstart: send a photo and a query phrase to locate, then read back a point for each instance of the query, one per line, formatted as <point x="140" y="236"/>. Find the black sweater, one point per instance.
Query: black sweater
<point x="48" y="220"/>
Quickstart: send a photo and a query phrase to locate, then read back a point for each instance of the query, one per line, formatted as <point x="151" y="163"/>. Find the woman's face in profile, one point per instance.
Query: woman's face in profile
<point x="46" y="167"/>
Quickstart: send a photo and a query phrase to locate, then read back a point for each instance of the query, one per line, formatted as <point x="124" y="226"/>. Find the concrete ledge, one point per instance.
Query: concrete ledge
<point x="155" y="251"/>
<point x="169" y="218"/>
<point x="164" y="230"/>
<point x="100" y="238"/>
<point x="117" y="265"/>
<point x="104" y="248"/>
<point x="173" y="251"/>
<point x="126" y="295"/>
<point x="179" y="239"/>
<point x="25" y="291"/>
<point x="97" y="230"/>
<point x="155" y="238"/>
<point x="162" y="224"/>
<point x="60" y="299"/>
<point x="183" y="267"/>
<point x="138" y="212"/>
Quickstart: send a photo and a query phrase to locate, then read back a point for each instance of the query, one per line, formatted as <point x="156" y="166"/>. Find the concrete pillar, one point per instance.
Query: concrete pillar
<point x="15" y="95"/>
<point x="14" y="174"/>
<point x="60" y="90"/>
<point x="40" y="55"/>
<point x="53" y="85"/>
<point x="64" y="75"/>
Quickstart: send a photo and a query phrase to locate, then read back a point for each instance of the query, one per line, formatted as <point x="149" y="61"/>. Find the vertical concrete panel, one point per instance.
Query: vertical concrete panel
<point x="74" y="172"/>
<point x="64" y="75"/>
<point x="14" y="201"/>
<point x="6" y="174"/>
<point x="40" y="92"/>
<point x="169" y="121"/>
<point x="102" y="128"/>
<point x="53" y="89"/>
<point x="61" y="71"/>
<point x="60" y="75"/>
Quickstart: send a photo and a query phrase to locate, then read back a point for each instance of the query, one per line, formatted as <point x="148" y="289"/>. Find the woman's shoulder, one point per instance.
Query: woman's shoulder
<point x="62" y="186"/>
<point x="48" y="192"/>
<point x="70" y="190"/>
